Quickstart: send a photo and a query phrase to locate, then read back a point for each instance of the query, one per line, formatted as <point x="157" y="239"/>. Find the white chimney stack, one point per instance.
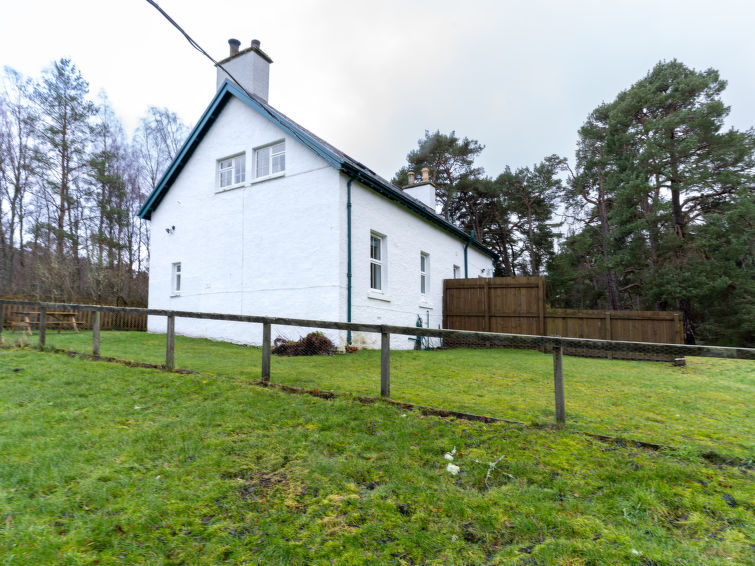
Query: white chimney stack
<point x="424" y="190"/>
<point x="250" y="67"/>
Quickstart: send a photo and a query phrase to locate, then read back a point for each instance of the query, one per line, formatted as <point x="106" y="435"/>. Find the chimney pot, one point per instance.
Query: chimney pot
<point x="234" y="43"/>
<point x="256" y="43"/>
<point x="425" y="174"/>
<point x="411" y="177"/>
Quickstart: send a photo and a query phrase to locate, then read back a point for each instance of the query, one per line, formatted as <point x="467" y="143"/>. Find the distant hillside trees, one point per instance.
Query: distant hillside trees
<point x="71" y="183"/>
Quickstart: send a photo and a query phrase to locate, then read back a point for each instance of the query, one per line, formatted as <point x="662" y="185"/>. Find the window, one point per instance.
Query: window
<point x="270" y="160"/>
<point x="176" y="279"/>
<point x="424" y="273"/>
<point x="377" y="258"/>
<point x="457" y="272"/>
<point x="231" y="171"/>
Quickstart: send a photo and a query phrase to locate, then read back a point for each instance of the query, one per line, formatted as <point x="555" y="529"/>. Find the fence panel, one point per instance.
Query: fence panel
<point x="633" y="326"/>
<point x="516" y="305"/>
<point x="513" y="305"/>
<point x="11" y="318"/>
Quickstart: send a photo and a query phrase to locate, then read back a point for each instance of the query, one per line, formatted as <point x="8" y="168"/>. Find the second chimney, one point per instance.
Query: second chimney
<point x="424" y="190"/>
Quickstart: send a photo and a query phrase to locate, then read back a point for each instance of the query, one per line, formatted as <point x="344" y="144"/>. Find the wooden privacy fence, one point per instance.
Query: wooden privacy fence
<point x="634" y="326"/>
<point x="518" y="305"/>
<point x="10" y="312"/>
<point x="554" y="344"/>
<point x="514" y="305"/>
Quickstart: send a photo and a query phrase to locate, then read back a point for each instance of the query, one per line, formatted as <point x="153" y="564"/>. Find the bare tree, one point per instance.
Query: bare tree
<point x="17" y="119"/>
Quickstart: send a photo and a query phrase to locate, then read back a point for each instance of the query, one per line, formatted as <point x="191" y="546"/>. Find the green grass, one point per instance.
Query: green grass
<point x="105" y="464"/>
<point x="706" y="406"/>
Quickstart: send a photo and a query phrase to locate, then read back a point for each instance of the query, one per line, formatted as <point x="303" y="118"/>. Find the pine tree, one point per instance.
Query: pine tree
<point x="64" y="132"/>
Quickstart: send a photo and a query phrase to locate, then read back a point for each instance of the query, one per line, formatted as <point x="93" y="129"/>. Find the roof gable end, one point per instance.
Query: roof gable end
<point x="334" y="157"/>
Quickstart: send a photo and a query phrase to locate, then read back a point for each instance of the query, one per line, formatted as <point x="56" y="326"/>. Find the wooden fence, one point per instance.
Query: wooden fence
<point x="514" y="305"/>
<point x="109" y="320"/>
<point x="517" y="305"/>
<point x="556" y="345"/>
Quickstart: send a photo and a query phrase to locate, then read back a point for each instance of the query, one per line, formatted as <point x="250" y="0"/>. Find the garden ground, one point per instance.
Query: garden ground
<point x="706" y="406"/>
<point x="109" y="464"/>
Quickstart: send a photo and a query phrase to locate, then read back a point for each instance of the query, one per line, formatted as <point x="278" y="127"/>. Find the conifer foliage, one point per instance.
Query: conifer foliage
<point x="657" y="213"/>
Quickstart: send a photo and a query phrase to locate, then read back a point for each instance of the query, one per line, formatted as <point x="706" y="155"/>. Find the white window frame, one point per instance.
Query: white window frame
<point x="379" y="263"/>
<point x="457" y="272"/>
<point x="237" y="170"/>
<point x="274" y="156"/>
<point x="424" y="274"/>
<point x="175" y="278"/>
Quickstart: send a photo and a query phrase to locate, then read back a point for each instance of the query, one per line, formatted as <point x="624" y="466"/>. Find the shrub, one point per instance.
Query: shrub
<point x="312" y="344"/>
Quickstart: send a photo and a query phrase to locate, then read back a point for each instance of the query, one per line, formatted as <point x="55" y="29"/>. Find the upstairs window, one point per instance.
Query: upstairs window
<point x="270" y="160"/>
<point x="176" y="278"/>
<point x="377" y="271"/>
<point x="231" y="171"/>
<point x="424" y="273"/>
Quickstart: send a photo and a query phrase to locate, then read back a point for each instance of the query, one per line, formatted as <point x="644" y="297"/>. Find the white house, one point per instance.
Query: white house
<point x="258" y="216"/>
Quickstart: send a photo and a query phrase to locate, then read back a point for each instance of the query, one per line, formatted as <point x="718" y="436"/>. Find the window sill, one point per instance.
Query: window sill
<point x="267" y="177"/>
<point x="424" y="305"/>
<point x="230" y="188"/>
<point x="174" y="295"/>
<point x="377" y="296"/>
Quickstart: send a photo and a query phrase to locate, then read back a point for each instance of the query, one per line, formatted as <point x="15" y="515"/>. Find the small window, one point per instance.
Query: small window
<point x="377" y="258"/>
<point x="270" y="160"/>
<point x="424" y="273"/>
<point x="457" y="272"/>
<point x="231" y="171"/>
<point x="176" y="279"/>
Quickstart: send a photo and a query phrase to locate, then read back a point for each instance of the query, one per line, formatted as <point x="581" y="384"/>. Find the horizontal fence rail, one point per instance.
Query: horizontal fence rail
<point x="525" y="340"/>
<point x="556" y="345"/>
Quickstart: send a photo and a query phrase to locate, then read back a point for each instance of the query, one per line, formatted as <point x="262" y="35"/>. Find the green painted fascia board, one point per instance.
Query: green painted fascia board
<point x="401" y="198"/>
<point x="208" y="117"/>
<point x="334" y="160"/>
<point x="196" y="135"/>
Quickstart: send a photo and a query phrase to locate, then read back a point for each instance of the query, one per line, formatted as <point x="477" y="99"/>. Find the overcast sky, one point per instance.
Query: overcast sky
<point x="371" y="77"/>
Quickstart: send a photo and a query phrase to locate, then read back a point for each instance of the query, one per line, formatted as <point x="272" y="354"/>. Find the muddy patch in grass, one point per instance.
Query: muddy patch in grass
<point x="260" y="485"/>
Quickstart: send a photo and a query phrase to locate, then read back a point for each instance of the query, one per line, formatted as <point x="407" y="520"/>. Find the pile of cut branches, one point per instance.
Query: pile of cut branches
<point x="313" y="344"/>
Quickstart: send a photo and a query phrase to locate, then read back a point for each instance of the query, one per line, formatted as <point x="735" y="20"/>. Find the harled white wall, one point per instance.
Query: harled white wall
<point x="278" y="247"/>
<point x="264" y="248"/>
<point x="406" y="237"/>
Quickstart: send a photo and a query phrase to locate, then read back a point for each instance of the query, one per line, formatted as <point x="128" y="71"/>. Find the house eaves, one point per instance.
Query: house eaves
<point x="334" y="157"/>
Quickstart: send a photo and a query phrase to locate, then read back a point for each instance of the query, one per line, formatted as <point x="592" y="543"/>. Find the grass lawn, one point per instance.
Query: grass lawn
<point x="105" y="464"/>
<point x="707" y="405"/>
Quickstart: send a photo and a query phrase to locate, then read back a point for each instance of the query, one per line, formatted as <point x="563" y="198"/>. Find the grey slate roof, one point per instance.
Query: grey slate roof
<point x="334" y="156"/>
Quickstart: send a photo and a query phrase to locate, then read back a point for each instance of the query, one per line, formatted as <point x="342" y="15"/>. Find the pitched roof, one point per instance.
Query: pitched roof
<point x="333" y="156"/>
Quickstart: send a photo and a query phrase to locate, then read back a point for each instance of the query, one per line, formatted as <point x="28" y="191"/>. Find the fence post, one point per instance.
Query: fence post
<point x="558" y="382"/>
<point x="170" y="342"/>
<point x="265" y="352"/>
<point x="96" y="333"/>
<point x="385" y="364"/>
<point x="42" y="326"/>
<point x="609" y="334"/>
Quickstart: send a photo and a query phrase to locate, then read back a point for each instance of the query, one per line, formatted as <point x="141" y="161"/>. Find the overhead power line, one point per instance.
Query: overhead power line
<point x="195" y="45"/>
<point x="198" y="47"/>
